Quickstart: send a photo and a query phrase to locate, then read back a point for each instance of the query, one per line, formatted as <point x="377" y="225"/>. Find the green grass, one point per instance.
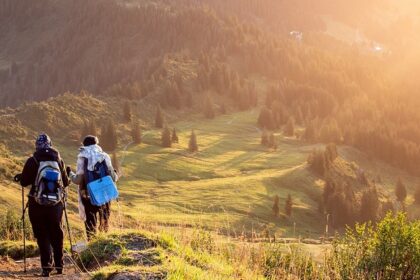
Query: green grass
<point x="228" y="185"/>
<point x="14" y="249"/>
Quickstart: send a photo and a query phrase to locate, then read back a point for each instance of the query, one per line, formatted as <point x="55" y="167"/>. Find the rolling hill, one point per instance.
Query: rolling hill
<point x="228" y="186"/>
<point x="233" y="72"/>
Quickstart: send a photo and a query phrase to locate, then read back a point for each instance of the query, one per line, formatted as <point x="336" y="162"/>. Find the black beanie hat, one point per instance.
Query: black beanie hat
<point x="90" y="140"/>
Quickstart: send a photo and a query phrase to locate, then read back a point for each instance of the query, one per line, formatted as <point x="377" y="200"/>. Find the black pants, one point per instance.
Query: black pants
<point x="92" y="214"/>
<point x="48" y="231"/>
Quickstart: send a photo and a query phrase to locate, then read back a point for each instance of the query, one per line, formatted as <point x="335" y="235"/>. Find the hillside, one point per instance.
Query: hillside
<point x="219" y="197"/>
<point x="199" y="54"/>
<point x="305" y="117"/>
<point x="228" y="186"/>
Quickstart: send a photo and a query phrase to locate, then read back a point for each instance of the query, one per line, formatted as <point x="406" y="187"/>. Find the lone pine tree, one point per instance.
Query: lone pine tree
<point x="166" y="138"/>
<point x="136" y="132"/>
<point x="289" y="129"/>
<point x="174" y="136"/>
<point x="369" y="205"/>
<point x="192" y="145"/>
<point x="109" y="137"/>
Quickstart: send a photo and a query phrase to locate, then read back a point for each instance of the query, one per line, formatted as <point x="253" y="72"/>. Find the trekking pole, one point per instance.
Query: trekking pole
<point x="68" y="225"/>
<point x="17" y="179"/>
<point x="23" y="229"/>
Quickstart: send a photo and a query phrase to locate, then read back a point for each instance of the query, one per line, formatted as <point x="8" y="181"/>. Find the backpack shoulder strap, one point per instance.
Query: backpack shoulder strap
<point x="86" y="171"/>
<point x="36" y="161"/>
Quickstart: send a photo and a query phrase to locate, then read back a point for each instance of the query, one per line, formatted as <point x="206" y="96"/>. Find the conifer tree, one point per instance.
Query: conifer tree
<point x="329" y="189"/>
<point x="340" y="209"/>
<point x="159" y="121"/>
<point x="136" y="132"/>
<point x="400" y="191"/>
<point x="289" y="129"/>
<point x="192" y="145"/>
<point x="127" y="112"/>
<point x="369" y="205"/>
<point x="288" y="206"/>
<point x="109" y="137"/>
<point x="331" y="152"/>
<point x="166" y="138"/>
<point x="318" y="162"/>
<point x="265" y="119"/>
<point x="174" y="136"/>
<point x="276" y="206"/>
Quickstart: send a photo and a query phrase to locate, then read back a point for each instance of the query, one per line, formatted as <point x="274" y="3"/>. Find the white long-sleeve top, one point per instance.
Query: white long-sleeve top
<point x="93" y="154"/>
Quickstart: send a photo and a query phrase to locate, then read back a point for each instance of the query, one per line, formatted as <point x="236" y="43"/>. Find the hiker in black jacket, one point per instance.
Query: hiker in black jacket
<point x="46" y="220"/>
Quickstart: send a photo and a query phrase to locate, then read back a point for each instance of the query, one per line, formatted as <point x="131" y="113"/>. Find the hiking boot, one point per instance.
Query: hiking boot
<point x="59" y="271"/>
<point x="45" y="273"/>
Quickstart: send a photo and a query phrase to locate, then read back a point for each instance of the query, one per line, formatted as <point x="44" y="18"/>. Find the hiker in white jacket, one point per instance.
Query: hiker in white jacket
<point x="91" y="154"/>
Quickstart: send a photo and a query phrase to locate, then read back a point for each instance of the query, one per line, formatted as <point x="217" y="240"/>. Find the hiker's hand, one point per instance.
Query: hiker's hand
<point x="17" y="177"/>
<point x="68" y="170"/>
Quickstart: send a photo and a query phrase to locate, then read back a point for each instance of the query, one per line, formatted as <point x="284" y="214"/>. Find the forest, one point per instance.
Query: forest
<point x="339" y="92"/>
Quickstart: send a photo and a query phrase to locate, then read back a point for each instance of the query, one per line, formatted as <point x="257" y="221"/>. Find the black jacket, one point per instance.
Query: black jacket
<point x="30" y="169"/>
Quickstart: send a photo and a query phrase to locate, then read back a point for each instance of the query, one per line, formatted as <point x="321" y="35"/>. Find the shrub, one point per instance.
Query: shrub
<point x="392" y="251"/>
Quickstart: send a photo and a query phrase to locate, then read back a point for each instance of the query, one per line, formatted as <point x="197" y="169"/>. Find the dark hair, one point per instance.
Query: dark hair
<point x="90" y="140"/>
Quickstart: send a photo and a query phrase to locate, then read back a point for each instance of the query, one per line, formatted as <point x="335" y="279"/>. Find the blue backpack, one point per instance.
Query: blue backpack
<point x="100" y="186"/>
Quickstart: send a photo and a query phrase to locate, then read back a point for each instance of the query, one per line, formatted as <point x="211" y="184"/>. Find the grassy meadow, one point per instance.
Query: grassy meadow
<point x="201" y="209"/>
<point x="228" y="186"/>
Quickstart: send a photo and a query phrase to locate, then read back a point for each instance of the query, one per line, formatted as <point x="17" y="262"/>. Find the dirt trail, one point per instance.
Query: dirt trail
<point x="10" y="269"/>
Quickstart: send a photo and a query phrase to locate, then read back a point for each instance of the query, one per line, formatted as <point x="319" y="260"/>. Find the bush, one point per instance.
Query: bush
<point x="392" y="251"/>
